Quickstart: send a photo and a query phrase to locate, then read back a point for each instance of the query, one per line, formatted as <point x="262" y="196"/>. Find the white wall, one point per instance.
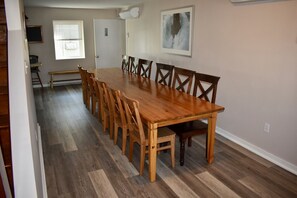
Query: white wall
<point x="23" y="124"/>
<point x="46" y="51"/>
<point x="253" y="47"/>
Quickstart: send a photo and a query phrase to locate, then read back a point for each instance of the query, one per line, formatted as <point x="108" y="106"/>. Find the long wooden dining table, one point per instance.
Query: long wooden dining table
<point x="161" y="106"/>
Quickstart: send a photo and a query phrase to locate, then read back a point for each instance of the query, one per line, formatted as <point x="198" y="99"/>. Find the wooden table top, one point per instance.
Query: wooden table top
<point x="157" y="103"/>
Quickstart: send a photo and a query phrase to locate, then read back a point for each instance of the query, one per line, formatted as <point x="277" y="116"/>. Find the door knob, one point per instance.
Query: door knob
<point x="97" y="56"/>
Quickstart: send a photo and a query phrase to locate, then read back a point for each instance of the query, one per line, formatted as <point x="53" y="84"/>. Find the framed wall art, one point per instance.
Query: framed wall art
<point x="176" y="31"/>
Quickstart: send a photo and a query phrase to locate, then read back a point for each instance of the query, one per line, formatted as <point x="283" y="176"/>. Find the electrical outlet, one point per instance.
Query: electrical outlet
<point x="267" y="127"/>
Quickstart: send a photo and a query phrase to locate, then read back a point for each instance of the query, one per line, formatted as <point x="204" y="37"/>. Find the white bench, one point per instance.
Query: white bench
<point x="62" y="72"/>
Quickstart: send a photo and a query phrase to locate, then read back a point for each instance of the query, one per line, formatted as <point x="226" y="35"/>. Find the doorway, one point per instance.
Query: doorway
<point x="109" y="36"/>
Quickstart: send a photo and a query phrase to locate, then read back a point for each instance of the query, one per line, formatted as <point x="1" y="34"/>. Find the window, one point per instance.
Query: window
<point x="69" y="39"/>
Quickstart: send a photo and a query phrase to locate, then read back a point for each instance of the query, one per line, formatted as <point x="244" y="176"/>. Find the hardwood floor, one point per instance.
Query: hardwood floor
<point x="81" y="161"/>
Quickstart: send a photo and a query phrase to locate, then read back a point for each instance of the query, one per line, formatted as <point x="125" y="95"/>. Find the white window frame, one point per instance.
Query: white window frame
<point x="69" y="45"/>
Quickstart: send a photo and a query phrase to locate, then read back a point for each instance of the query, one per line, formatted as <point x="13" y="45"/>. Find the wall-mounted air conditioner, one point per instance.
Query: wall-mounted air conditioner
<point x="243" y="1"/>
<point x="130" y="14"/>
<point x="240" y="1"/>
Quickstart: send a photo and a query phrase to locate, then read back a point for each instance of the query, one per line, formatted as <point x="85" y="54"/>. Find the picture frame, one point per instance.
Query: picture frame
<point x="176" y="31"/>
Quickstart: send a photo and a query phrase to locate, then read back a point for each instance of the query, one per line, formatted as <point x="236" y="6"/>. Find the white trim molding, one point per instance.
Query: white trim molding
<point x="40" y="150"/>
<point x="258" y="151"/>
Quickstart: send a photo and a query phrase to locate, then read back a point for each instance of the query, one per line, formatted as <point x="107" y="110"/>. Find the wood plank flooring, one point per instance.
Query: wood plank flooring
<point x="82" y="161"/>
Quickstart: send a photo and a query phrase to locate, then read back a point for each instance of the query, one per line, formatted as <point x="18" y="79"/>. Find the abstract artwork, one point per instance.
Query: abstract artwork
<point x="176" y="31"/>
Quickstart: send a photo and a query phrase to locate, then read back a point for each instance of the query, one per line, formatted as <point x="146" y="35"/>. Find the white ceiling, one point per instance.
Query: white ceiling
<point x="87" y="4"/>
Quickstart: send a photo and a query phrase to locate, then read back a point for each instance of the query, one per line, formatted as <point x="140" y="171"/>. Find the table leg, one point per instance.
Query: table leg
<point x="152" y="135"/>
<point x="211" y="137"/>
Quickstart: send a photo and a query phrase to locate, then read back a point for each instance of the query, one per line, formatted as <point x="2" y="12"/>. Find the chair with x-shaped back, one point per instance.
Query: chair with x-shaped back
<point x="204" y="86"/>
<point x="182" y="79"/>
<point x="98" y="98"/>
<point x="139" y="134"/>
<point x="125" y="63"/>
<point x="119" y="117"/>
<point x="84" y="83"/>
<point x="164" y="74"/>
<point x="106" y="115"/>
<point x="91" y="93"/>
<point x="145" y="68"/>
<point x="95" y="98"/>
<point x="133" y="65"/>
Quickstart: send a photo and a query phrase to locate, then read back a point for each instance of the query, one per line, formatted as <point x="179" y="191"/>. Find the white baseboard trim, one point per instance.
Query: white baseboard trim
<point x="44" y="188"/>
<point x="259" y="151"/>
<point x="59" y="83"/>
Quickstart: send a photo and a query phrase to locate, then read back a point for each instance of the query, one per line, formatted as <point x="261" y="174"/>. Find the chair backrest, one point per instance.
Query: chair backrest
<point x="164" y="74"/>
<point x="117" y="105"/>
<point x="144" y="68"/>
<point x="134" y="121"/>
<point x="204" y="85"/>
<point x="33" y="59"/>
<point x="89" y="76"/>
<point x="100" y="95"/>
<point x="133" y="65"/>
<point x="125" y="63"/>
<point x="96" y="89"/>
<point x="83" y="75"/>
<point x="182" y="79"/>
<point x="104" y="96"/>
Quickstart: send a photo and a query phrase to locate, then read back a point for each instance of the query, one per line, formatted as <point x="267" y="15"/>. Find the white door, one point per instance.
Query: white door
<point x="109" y="42"/>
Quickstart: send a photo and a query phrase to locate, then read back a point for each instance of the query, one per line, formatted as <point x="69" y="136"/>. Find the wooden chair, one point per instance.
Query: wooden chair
<point x="125" y="63"/>
<point x="144" y="68"/>
<point x="189" y="129"/>
<point x="98" y="98"/>
<point x="137" y="133"/>
<point x="84" y="83"/>
<point x="119" y="117"/>
<point x="91" y="92"/>
<point x="88" y="91"/>
<point x="182" y="79"/>
<point x="164" y="74"/>
<point x="133" y="65"/>
<point x="106" y="116"/>
<point x="95" y="96"/>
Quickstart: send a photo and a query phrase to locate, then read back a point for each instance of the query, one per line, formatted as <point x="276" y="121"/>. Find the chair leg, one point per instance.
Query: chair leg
<point x="124" y="133"/>
<point x="142" y="157"/>
<point x="116" y="131"/>
<point x="161" y="145"/>
<point x="206" y="146"/>
<point x="104" y="121"/>
<point x="182" y="151"/>
<point x="87" y="97"/>
<point x="189" y="141"/>
<point x="158" y="146"/>
<point x="172" y="152"/>
<point x="39" y="79"/>
<point x="131" y="149"/>
<point x="88" y="101"/>
<point x="93" y="105"/>
<point x="111" y="128"/>
<point x="84" y="95"/>
<point x="102" y="113"/>
<point x="99" y="115"/>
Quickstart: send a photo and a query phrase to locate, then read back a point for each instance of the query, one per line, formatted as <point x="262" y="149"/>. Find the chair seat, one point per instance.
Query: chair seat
<point x="163" y="135"/>
<point x="189" y="129"/>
